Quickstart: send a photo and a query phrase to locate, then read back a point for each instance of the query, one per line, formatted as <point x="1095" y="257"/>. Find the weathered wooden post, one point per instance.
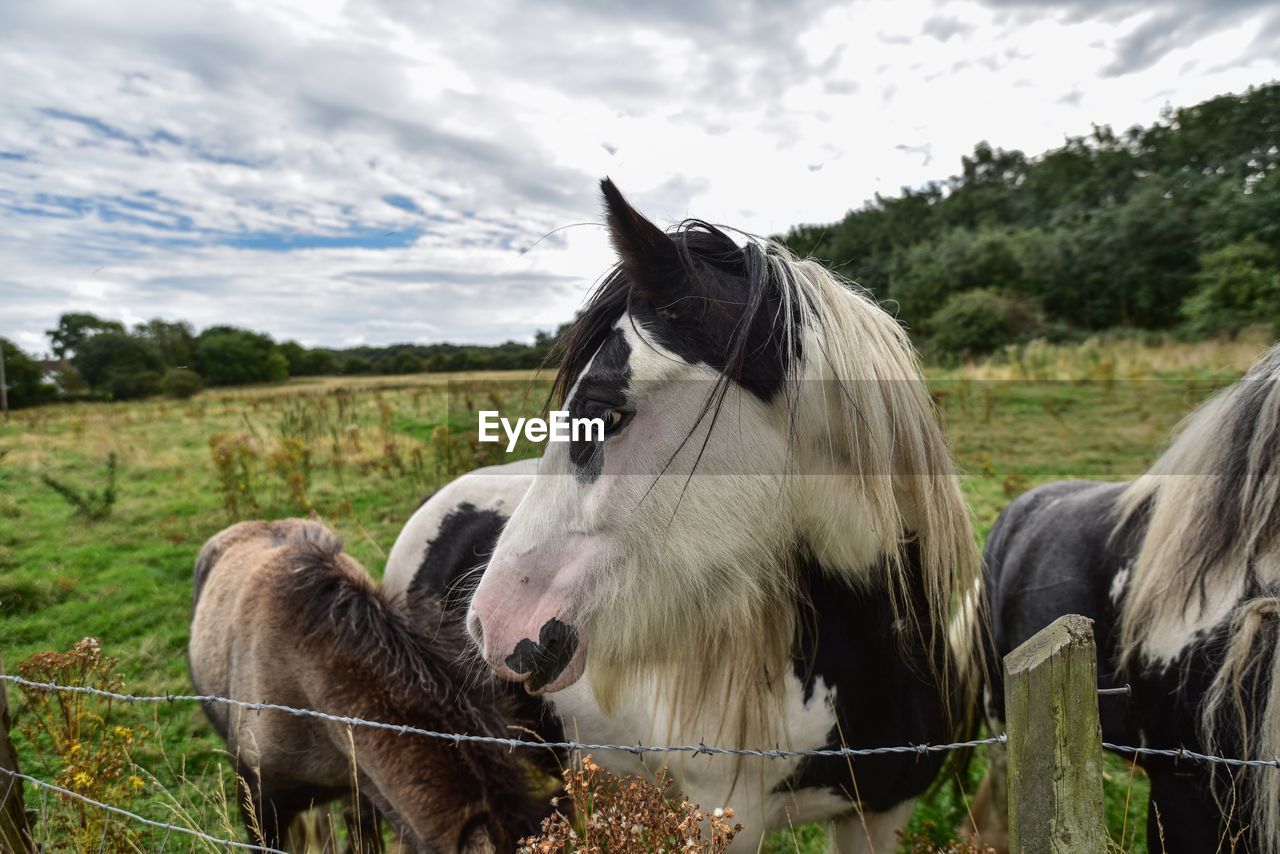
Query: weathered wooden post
<point x="1055" y="741"/>
<point x="14" y="833"/>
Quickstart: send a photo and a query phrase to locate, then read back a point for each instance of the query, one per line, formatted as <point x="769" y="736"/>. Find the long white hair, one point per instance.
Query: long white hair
<point x="1209" y="561"/>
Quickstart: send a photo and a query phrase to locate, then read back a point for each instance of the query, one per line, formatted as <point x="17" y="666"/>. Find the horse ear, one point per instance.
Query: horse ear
<point x="650" y="259"/>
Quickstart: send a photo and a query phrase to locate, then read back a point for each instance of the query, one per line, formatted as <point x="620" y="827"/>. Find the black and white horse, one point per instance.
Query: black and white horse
<point x="1180" y="570"/>
<point x="764" y="550"/>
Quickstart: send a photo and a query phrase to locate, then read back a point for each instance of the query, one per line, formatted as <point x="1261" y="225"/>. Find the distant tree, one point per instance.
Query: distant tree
<point x="296" y="355"/>
<point x="1105" y="231"/>
<point x="356" y="365"/>
<point x="25" y="379"/>
<point x="318" y="363"/>
<point x="226" y="355"/>
<point x="1236" y="286"/>
<point x="74" y="327"/>
<point x="405" y="363"/>
<point x="119" y="365"/>
<point x="174" y="339"/>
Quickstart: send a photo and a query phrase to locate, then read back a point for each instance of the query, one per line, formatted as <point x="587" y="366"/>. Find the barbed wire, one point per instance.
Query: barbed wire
<point x="1183" y="753"/>
<point x="697" y="749"/>
<point x="168" y="828"/>
<point x="460" y="738"/>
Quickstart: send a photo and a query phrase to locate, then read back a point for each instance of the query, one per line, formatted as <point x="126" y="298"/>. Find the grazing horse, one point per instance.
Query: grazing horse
<point x="1180" y="571"/>
<point x="764" y="548"/>
<point x="283" y="616"/>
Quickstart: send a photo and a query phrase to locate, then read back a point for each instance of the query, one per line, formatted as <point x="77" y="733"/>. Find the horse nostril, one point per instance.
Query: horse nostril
<point x="546" y="659"/>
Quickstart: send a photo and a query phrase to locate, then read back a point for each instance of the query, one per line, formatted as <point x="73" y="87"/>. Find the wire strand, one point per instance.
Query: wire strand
<point x="168" y="828"/>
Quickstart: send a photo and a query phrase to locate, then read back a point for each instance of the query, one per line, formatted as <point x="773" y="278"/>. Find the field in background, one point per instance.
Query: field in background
<point x="362" y="453"/>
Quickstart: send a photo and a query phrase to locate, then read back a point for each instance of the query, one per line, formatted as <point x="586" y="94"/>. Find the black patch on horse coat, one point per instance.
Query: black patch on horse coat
<point x="1055" y="551"/>
<point x="696" y="292"/>
<point x="848" y="641"/>
<point x="546" y="659"/>
<point x="602" y="387"/>
<point x="465" y="540"/>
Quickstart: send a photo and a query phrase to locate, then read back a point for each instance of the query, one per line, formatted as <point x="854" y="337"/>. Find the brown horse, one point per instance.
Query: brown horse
<point x="283" y="616"/>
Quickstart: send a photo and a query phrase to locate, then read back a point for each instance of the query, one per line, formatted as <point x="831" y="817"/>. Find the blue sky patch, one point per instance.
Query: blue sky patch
<point x="352" y="238"/>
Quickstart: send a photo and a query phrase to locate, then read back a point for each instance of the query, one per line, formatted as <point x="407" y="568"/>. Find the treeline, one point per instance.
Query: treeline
<point x="1170" y="227"/>
<point x="97" y="358"/>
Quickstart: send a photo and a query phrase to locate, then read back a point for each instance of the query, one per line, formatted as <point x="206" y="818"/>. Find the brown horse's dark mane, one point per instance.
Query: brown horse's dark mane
<point x="407" y="661"/>
<point x="347" y="616"/>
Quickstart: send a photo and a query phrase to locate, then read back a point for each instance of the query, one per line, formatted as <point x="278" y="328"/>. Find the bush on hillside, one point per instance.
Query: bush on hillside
<point x="978" y="322"/>
<point x="1237" y="286"/>
<point x="181" y="383"/>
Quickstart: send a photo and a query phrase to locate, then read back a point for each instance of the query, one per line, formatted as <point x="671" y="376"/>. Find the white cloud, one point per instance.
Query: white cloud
<point x="414" y="151"/>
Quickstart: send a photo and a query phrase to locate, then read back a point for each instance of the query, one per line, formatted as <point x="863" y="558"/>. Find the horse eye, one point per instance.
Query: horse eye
<point x="613" y="418"/>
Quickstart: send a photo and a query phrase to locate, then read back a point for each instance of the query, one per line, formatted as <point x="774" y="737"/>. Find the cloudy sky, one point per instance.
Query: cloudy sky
<point x="371" y="171"/>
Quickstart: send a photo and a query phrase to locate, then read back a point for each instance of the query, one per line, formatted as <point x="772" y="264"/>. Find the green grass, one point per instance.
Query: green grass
<point x="374" y="452"/>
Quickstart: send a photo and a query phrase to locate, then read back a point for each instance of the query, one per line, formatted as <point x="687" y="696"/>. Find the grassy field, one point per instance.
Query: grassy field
<point x="362" y="454"/>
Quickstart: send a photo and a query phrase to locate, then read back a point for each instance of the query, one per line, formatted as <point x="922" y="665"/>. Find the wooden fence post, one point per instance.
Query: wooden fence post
<point x="15" y="835"/>
<point x="1055" y="741"/>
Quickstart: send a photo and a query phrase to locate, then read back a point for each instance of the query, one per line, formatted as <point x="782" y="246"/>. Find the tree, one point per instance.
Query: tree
<point x="404" y="363"/>
<point x="356" y="365"/>
<point x="296" y="355"/>
<point x="226" y="355"/>
<point x="318" y="363"/>
<point x="119" y="365"/>
<point x="25" y="379"/>
<point x="174" y="340"/>
<point x="74" y="327"/>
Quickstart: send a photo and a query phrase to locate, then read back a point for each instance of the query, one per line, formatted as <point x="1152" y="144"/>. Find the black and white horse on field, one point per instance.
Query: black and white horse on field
<point x="1180" y="570"/>
<point x="765" y="549"/>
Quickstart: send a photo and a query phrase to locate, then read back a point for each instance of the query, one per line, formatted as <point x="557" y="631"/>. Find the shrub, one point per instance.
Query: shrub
<point x="74" y="742"/>
<point x="181" y="383"/>
<point x="629" y="814"/>
<point x="1237" y="285"/>
<point x="235" y="463"/>
<point x="131" y="385"/>
<point x="90" y="503"/>
<point x="978" y="322"/>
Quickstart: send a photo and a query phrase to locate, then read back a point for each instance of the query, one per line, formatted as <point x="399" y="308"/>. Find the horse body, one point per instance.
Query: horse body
<point x="282" y="616"/>
<point x="1051" y="553"/>
<point x="762" y="551"/>
<point x="1180" y="571"/>
<point x="852" y="666"/>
